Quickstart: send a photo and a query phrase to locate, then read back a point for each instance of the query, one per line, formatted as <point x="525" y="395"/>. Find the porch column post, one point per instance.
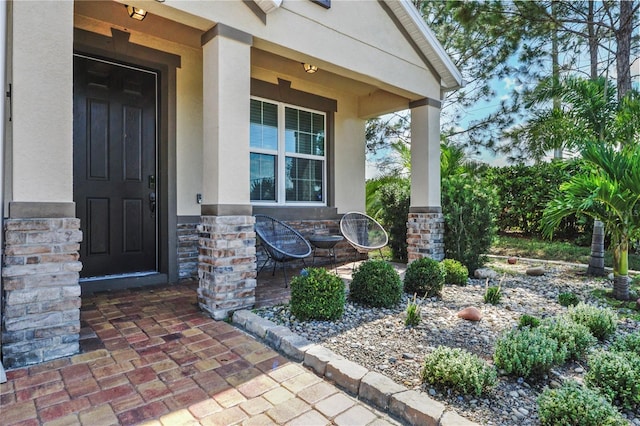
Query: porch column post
<point x="425" y="225"/>
<point x="40" y="267"/>
<point x="227" y="253"/>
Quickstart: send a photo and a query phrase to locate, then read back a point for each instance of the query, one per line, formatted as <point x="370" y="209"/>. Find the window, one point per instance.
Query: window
<point x="288" y="159"/>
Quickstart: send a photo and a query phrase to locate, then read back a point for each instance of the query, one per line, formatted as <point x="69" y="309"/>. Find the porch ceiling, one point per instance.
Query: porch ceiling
<point x="375" y="98"/>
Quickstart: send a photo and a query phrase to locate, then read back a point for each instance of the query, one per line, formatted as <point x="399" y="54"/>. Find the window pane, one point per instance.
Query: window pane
<point x="263" y="177"/>
<point x="304" y="179"/>
<point x="263" y="130"/>
<point x="304" y="132"/>
<point x="305" y="121"/>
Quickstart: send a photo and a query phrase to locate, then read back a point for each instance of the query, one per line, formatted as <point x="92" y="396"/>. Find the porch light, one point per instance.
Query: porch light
<point x="309" y="68"/>
<point x="136" y="12"/>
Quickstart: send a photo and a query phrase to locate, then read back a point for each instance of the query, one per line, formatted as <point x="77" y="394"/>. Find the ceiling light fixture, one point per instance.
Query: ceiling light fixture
<point x="136" y="13"/>
<point x="309" y="68"/>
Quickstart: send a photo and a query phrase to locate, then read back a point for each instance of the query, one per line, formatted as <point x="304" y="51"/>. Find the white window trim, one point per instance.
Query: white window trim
<point x="281" y="156"/>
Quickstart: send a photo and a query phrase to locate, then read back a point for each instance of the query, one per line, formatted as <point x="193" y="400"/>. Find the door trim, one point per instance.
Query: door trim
<point x="120" y="50"/>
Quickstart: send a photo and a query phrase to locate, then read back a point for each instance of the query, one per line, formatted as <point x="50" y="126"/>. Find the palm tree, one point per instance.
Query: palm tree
<point x="610" y="192"/>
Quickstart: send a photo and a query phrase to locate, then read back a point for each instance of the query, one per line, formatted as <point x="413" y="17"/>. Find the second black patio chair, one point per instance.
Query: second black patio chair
<point x="363" y="232"/>
<point x="281" y="242"/>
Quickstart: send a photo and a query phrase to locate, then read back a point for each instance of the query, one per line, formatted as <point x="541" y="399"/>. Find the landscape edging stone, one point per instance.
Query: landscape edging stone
<point x="411" y="406"/>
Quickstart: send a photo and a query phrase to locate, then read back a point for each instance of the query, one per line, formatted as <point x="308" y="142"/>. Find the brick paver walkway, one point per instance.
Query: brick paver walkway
<point x="151" y="356"/>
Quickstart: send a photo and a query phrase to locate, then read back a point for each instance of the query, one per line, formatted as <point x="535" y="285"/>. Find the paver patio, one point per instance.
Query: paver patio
<point x="151" y="356"/>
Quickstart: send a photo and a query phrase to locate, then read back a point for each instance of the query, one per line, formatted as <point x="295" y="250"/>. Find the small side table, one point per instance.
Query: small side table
<point x="325" y="242"/>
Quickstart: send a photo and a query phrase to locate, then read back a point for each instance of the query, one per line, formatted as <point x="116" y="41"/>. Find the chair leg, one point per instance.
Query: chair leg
<point x="263" y="265"/>
<point x="284" y="272"/>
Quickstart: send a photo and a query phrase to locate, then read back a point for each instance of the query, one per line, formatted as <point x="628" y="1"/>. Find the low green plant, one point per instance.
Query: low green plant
<point x="602" y="322"/>
<point x="574" y="405"/>
<point x="627" y="343"/>
<point x="375" y="283"/>
<point x="493" y="294"/>
<point x="527" y="352"/>
<point x="616" y="375"/>
<point x="455" y="272"/>
<point x="425" y="277"/>
<point x="528" y="321"/>
<point x="568" y="299"/>
<point x="576" y="338"/>
<point x="413" y="313"/>
<point x="458" y="369"/>
<point x="317" y="294"/>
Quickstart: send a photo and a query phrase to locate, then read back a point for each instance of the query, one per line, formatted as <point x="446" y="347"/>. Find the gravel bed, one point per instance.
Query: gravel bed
<point x="378" y="339"/>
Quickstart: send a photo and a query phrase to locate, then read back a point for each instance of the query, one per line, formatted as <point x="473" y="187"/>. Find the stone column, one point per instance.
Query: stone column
<point x="42" y="296"/>
<point x="425" y="235"/>
<point x="425" y="225"/>
<point x="226" y="264"/>
<point x="40" y="267"/>
<point x="227" y="254"/>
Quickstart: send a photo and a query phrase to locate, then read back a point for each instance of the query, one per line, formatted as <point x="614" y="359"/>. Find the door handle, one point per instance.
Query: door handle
<point x="152" y="202"/>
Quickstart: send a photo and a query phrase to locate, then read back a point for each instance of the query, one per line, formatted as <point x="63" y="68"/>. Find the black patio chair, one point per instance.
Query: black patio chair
<point x="363" y="232"/>
<point x="281" y="242"/>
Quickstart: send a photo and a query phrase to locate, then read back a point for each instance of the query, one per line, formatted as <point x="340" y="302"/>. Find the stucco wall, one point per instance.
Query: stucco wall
<point x="41" y="69"/>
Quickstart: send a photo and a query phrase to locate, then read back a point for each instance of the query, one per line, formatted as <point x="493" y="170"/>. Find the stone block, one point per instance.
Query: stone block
<point x="21" y="359"/>
<point x="295" y="346"/>
<point x="33" y="321"/>
<point x="346" y="374"/>
<point x="416" y="408"/>
<point x="454" y="419"/>
<point x="40" y="269"/>
<point x="317" y="357"/>
<point x="259" y="326"/>
<point x="275" y="334"/>
<point x="241" y="317"/>
<point x="60" y="351"/>
<point x="33" y="295"/>
<point x="377" y="389"/>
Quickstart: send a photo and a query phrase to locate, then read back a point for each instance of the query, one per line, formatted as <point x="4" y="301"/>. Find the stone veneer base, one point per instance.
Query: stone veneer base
<point x="226" y="264"/>
<point x="41" y="312"/>
<point x="425" y="236"/>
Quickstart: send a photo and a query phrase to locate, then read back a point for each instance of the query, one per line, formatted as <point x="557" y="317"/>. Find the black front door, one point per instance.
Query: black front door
<point x="114" y="167"/>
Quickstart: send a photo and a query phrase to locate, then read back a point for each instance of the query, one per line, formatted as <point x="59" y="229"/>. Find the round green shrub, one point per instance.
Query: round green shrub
<point x="576" y="338"/>
<point x="574" y="405"/>
<point x="455" y="272"/>
<point x="602" y="322"/>
<point x="616" y="375"/>
<point x="527" y="352"/>
<point x="568" y="299"/>
<point x="627" y="343"/>
<point x="375" y="283"/>
<point x="317" y="294"/>
<point x="425" y="277"/>
<point x="528" y="321"/>
<point x="458" y="369"/>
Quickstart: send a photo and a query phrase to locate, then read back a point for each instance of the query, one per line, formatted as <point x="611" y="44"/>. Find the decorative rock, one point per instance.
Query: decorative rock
<point x="470" y="314"/>
<point x="484" y="273"/>
<point x="512" y="260"/>
<point x="535" y="271"/>
<point x="554" y="384"/>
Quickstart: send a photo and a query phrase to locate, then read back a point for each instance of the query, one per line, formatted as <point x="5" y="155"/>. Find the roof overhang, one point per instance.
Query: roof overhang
<point x="425" y="40"/>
